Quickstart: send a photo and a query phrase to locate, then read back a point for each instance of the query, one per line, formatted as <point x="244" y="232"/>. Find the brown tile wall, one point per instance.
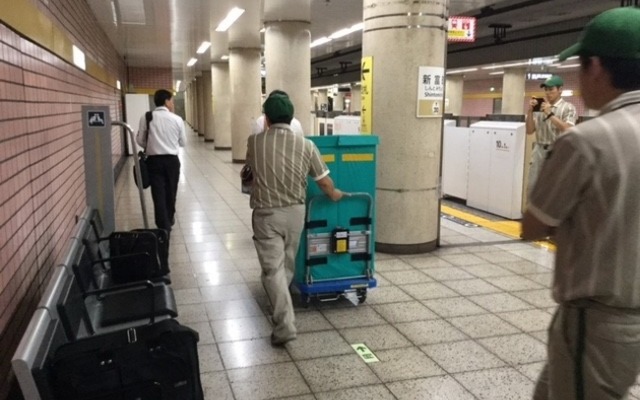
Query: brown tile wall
<point x="148" y="80"/>
<point x="42" y="186"/>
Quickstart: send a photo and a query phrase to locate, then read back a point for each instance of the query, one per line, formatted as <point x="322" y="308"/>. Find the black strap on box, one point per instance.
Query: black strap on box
<point x="361" y="257"/>
<point x="360" y="221"/>
<point x="319" y="223"/>
<point x="317" y="261"/>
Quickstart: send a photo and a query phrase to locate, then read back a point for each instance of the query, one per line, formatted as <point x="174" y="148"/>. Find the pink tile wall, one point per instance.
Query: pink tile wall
<point x="473" y="106"/>
<point x="150" y="78"/>
<point x="42" y="186"/>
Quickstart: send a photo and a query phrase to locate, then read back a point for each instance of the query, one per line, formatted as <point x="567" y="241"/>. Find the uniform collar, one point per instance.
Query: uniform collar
<point x="623" y="100"/>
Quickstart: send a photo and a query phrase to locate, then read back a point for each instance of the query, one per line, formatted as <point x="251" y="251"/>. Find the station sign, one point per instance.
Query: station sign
<point x="461" y="29"/>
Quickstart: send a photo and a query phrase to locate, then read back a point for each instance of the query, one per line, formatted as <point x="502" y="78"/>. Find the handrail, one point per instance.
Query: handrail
<point x="136" y="169"/>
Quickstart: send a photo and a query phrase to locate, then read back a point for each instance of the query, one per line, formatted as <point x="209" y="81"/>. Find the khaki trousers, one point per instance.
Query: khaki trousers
<point x="593" y="354"/>
<point x="276" y="235"/>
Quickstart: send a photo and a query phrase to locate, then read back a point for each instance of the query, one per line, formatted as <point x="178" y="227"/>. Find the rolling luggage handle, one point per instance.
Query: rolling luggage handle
<point x="309" y="225"/>
<point x="137" y="169"/>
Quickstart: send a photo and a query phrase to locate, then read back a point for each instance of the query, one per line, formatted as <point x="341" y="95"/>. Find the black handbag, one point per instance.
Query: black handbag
<point x="142" y="159"/>
<point x="246" y="179"/>
<point x="144" y="170"/>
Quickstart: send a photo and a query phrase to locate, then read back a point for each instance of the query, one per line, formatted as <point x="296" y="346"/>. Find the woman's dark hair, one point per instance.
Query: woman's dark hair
<point x="160" y="96"/>
<point x="625" y="73"/>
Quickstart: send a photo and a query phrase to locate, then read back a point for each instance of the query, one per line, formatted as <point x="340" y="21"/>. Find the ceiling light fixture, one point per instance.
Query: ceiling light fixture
<point x="224" y="57"/>
<point x="517" y="64"/>
<point x="203" y="47"/>
<point x="569" y="66"/>
<point x="231" y="17"/>
<point x="192" y="62"/>
<point x="114" y="14"/>
<point x="178" y="82"/>
<point x="320" y="41"/>
<point x="461" y="71"/>
<point x="496" y="73"/>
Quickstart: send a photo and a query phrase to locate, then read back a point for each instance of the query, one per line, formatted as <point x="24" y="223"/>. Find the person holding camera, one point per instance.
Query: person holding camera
<point x="547" y="117"/>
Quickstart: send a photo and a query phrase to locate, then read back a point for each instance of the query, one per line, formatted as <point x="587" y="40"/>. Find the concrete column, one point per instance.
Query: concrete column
<point x="201" y="110"/>
<point x="322" y="99"/>
<point x="338" y="101"/>
<point x="207" y="106"/>
<point x="454" y="90"/>
<point x="287" y="53"/>
<point x="513" y="88"/>
<point x="356" y="100"/>
<point x="194" y="104"/>
<point x="187" y="105"/>
<point x="401" y="37"/>
<point x="221" y="91"/>
<point x="246" y="81"/>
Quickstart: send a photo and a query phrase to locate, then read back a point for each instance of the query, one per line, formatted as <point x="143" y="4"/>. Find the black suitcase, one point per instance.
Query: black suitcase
<point x="153" y="242"/>
<point x="152" y="362"/>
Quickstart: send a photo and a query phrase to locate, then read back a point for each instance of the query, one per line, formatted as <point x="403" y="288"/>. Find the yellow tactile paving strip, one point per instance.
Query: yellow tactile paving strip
<point x="509" y="228"/>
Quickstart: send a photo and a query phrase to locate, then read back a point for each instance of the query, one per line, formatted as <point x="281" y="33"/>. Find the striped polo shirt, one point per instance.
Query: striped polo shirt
<point x="546" y="132"/>
<point x="281" y="162"/>
<point x="589" y="188"/>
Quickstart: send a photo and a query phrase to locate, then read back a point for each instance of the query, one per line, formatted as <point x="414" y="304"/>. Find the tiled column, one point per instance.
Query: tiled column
<point x="246" y="82"/>
<point x="207" y="109"/>
<point x="221" y="93"/>
<point x="454" y="92"/>
<point x="287" y="53"/>
<point x="401" y="37"/>
<point x="513" y="88"/>
<point x="200" y="83"/>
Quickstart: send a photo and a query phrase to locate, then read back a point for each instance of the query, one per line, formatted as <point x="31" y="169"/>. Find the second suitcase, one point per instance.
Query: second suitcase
<point x="152" y="362"/>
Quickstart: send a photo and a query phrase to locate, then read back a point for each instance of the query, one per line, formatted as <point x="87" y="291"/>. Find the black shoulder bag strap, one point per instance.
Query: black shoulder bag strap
<point x="147" y="116"/>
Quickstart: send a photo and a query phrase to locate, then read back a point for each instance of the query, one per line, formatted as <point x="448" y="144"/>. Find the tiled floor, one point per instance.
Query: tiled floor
<point x="467" y="321"/>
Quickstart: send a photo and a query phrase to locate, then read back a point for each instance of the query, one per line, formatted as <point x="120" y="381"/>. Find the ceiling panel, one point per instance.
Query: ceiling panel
<point x="173" y="29"/>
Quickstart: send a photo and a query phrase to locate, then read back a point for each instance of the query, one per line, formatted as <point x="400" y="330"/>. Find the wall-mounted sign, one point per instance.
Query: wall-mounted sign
<point x="366" y="92"/>
<point x="538" y="76"/>
<point x="461" y="29"/>
<point x="430" y="92"/>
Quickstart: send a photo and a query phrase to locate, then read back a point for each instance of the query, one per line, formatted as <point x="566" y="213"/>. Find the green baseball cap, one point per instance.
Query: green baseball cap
<point x="555" y="80"/>
<point x="278" y="108"/>
<point x="614" y="33"/>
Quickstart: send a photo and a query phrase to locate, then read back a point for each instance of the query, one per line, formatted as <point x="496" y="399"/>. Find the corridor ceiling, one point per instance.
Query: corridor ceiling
<point x="166" y="33"/>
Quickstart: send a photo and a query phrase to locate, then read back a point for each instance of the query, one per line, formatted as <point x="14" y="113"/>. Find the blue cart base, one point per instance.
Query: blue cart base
<point x="333" y="290"/>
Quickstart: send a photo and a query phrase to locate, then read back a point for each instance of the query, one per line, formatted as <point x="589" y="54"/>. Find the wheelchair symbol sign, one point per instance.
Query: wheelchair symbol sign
<point x="96" y="119"/>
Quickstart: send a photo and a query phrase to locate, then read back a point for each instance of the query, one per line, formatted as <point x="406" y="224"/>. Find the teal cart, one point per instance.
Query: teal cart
<point x="336" y="253"/>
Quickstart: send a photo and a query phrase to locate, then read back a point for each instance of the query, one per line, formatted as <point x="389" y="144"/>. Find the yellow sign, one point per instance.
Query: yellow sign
<point x="364" y="353"/>
<point x="357" y="157"/>
<point x="366" y="92"/>
<point x="430" y="92"/>
<point x="327" y="158"/>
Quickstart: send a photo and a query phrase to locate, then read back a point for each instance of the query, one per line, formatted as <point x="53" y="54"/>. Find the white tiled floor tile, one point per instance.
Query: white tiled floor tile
<point x="428" y="332"/>
<point x="337" y="372"/>
<point x="479" y="326"/>
<point x="453" y="307"/>
<point x="527" y="320"/>
<point x="516" y="349"/>
<point x="267" y="381"/>
<point x="378" y="392"/>
<point x="404" y="363"/>
<point x="439" y="387"/>
<point x="248" y="353"/>
<point x="462" y="356"/>
<point x="500" y="302"/>
<point x="404" y="312"/>
<point x="500" y="383"/>
<point x="376" y="337"/>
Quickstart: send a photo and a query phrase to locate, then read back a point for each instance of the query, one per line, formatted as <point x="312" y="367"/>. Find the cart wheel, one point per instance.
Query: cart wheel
<point x="306" y="299"/>
<point x="362" y="295"/>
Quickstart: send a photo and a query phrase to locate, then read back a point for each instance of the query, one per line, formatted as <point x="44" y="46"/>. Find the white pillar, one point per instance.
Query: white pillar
<point x="513" y="88"/>
<point x="207" y="109"/>
<point x="221" y="93"/>
<point x="401" y="37"/>
<point x="454" y="91"/>
<point x="246" y="82"/>
<point x="287" y="53"/>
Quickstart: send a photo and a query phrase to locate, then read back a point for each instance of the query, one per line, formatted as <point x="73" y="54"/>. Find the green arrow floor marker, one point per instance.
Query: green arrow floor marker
<point x="364" y="353"/>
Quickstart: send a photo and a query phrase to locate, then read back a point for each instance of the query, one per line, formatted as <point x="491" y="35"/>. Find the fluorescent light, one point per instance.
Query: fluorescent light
<point x="320" y="41"/>
<point x="233" y="15"/>
<point x="340" y="33"/>
<point x="461" y="71"/>
<point x="567" y="93"/>
<point x="132" y="12"/>
<point x="178" y="82"/>
<point x="517" y="64"/>
<point x="203" y="47"/>
<point x="192" y="62"/>
<point x="118" y="84"/>
<point x="224" y="57"/>
<point x="496" y="73"/>
<point x="357" y="27"/>
<point x="78" y="58"/>
<point x="569" y="66"/>
<point x="114" y="13"/>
